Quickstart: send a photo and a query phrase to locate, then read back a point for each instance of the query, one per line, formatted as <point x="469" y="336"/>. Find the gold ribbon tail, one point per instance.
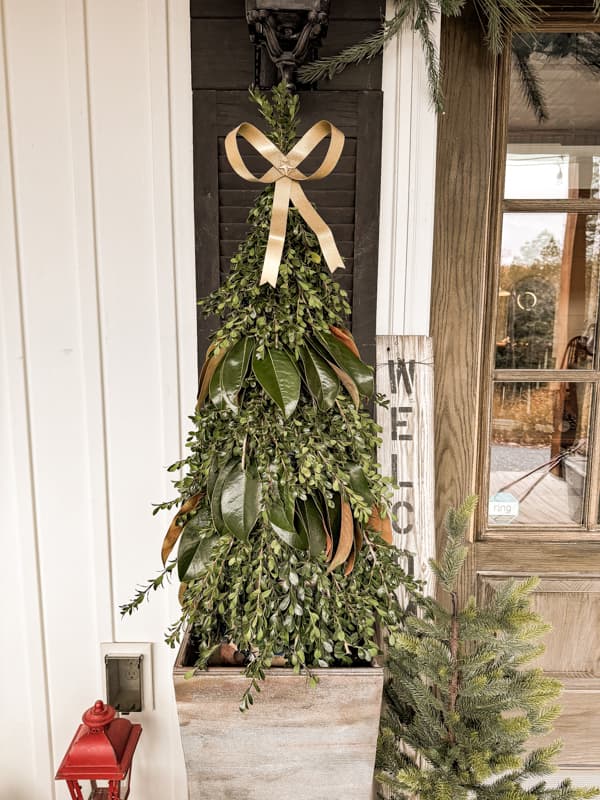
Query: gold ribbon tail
<point x="277" y="229"/>
<point x="322" y="230"/>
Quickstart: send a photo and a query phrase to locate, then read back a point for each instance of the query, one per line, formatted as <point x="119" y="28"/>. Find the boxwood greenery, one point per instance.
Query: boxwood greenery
<point x="283" y="534"/>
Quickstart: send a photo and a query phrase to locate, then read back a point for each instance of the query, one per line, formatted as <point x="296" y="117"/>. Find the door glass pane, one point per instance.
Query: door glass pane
<point x="554" y="116"/>
<point x="539" y="449"/>
<point x="548" y="291"/>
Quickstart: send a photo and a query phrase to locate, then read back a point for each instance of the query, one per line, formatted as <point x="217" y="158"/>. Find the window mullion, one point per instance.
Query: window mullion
<point x="592" y="493"/>
<point x="544" y="206"/>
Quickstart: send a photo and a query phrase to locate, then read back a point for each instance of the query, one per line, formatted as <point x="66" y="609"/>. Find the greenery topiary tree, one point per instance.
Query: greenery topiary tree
<point x="460" y="702"/>
<point x="284" y="538"/>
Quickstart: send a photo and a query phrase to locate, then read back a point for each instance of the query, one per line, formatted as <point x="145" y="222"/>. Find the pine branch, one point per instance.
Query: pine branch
<point x="364" y="50"/>
<point x="423" y="20"/>
<point x="452" y="8"/>
<point x="498" y="17"/>
<point x="530" y="84"/>
<point x="566" y="791"/>
<point x="447" y="569"/>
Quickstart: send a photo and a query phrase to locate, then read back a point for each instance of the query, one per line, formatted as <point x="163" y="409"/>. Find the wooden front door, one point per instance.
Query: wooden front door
<point x="515" y="302"/>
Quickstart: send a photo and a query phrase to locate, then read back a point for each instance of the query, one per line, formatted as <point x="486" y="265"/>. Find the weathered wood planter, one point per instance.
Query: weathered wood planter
<point x="295" y="742"/>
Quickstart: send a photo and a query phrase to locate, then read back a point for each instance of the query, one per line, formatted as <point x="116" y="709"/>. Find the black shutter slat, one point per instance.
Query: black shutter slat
<point x="245" y="197"/>
<point x="249" y="152"/>
<point x="237" y="231"/>
<point x="224" y="264"/>
<point x="333" y="216"/>
<point x="341" y="9"/>
<point x="228" y="247"/>
<point x="257" y="165"/>
<point x="335" y="181"/>
<point x="235" y="107"/>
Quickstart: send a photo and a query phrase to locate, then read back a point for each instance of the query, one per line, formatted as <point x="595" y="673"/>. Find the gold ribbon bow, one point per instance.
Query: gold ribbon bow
<point x="285" y="174"/>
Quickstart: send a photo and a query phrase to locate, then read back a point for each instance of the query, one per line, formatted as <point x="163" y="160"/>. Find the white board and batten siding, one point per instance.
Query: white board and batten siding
<point x="97" y="362"/>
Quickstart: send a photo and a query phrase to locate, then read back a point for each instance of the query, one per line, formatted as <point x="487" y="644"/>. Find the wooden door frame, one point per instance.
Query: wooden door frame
<point x="462" y="225"/>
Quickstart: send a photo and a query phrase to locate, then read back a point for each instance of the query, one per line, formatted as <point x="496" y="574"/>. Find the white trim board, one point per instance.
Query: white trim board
<point x="407" y="188"/>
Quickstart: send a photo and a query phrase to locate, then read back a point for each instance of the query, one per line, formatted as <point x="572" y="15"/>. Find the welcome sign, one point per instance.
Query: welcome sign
<point x="404" y="374"/>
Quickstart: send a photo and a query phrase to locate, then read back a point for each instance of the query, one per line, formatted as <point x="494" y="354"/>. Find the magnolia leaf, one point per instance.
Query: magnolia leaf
<point x="358" y="543"/>
<point x="361" y="373"/>
<point x="324" y="512"/>
<point x="351" y="559"/>
<point x="212" y="477"/>
<point x="311" y="523"/>
<point x="345" y="337"/>
<point x="228" y="378"/>
<point x="215" y="500"/>
<point x="381" y="525"/>
<point x="195" y="547"/>
<point x="332" y="516"/>
<point x="175" y="529"/>
<point x="321" y="380"/>
<point x="346" y="537"/>
<point x="358" y="537"/>
<point x="345" y="379"/>
<point x="279" y="377"/>
<point x="240" y="502"/>
<point x="328" y="546"/>
<point x="281" y="518"/>
<point x="219" y="396"/>
<point x="181" y="593"/>
<point x="360" y="484"/>
<point x="208" y="370"/>
<point x="348" y="383"/>
<point x="207" y="358"/>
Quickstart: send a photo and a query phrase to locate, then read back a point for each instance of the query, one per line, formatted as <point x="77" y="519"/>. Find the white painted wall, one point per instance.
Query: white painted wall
<point x="97" y="361"/>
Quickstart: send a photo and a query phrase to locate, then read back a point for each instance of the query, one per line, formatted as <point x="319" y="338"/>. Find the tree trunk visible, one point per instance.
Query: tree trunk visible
<point x="454" y="682"/>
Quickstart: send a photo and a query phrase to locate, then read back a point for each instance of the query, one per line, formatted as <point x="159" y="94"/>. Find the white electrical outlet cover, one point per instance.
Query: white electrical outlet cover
<point x="133" y="649"/>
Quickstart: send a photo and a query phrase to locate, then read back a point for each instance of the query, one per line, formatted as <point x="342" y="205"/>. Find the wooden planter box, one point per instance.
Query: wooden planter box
<point x="295" y="742"/>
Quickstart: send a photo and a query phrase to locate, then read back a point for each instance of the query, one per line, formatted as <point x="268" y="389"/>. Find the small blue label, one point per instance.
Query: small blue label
<point x="503" y="508"/>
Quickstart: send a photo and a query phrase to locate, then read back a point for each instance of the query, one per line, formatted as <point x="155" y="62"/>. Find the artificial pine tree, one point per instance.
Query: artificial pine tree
<point x="284" y="537"/>
<point x="460" y="702"/>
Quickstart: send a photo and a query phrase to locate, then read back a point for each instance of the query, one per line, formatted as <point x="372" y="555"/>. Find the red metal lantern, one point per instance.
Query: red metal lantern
<point x="101" y="750"/>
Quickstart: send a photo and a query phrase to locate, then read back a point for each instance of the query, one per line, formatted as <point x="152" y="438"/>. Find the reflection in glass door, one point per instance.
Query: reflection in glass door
<point x="546" y="368"/>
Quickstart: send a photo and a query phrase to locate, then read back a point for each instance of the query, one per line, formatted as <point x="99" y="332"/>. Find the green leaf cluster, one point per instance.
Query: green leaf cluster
<point x="462" y="699"/>
<point x="282" y="546"/>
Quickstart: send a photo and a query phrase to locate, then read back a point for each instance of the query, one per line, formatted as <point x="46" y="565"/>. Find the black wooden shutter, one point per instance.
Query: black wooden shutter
<point x="348" y="199"/>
